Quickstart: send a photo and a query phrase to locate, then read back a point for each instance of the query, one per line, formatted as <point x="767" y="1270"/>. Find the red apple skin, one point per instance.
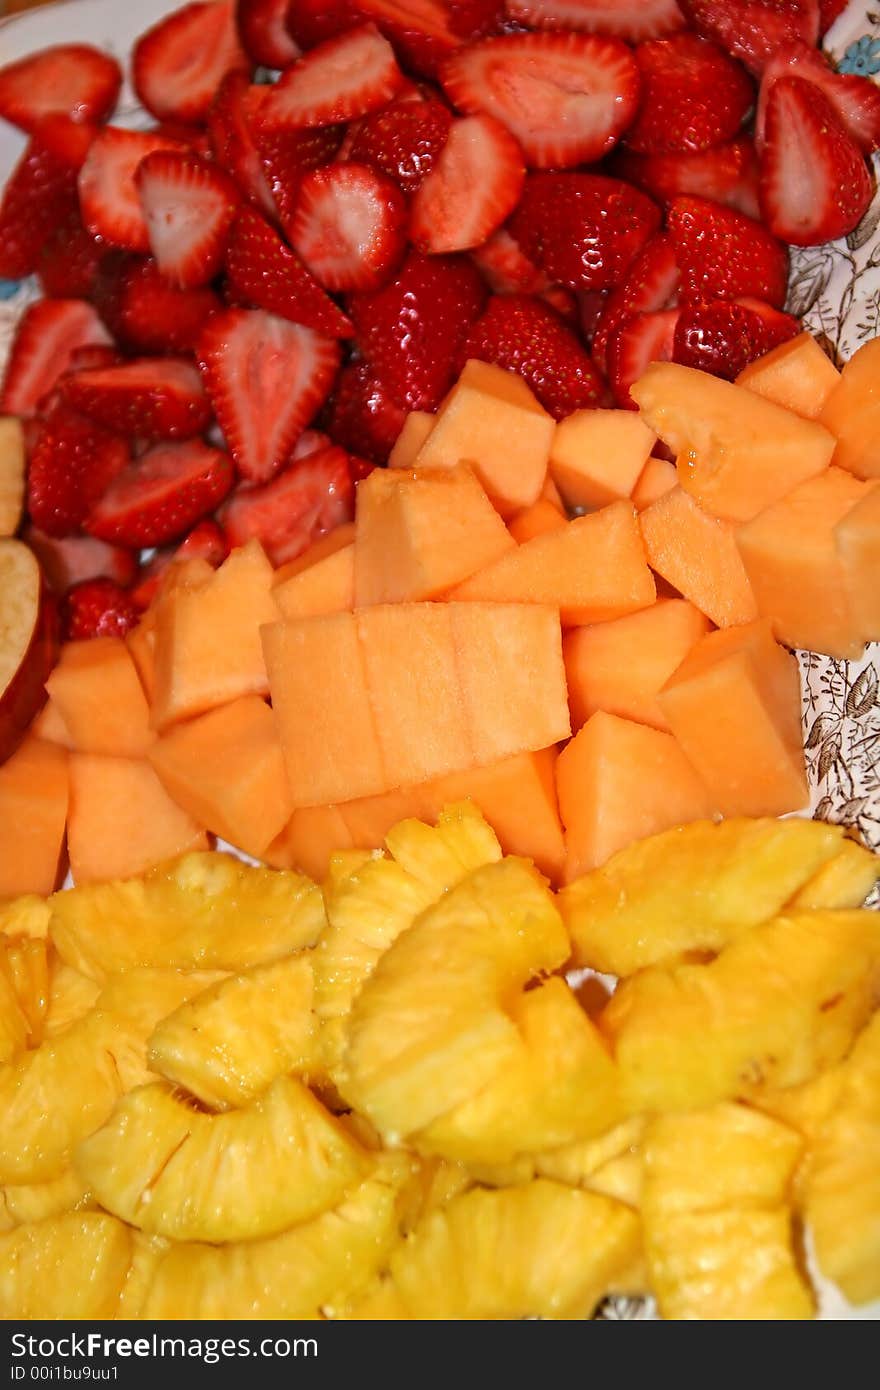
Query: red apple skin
<point x="25" y="694"/>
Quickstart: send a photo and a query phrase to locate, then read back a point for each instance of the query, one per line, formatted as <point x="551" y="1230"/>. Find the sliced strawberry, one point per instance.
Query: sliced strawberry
<point x="70" y="260"/>
<point x="179" y="63"/>
<point x="314" y="21"/>
<point x="85" y="359"/>
<point x="420" y="30"/>
<point x="523" y="335"/>
<point x="753" y="30"/>
<point x="473" y="19"/>
<point x="162" y="495"/>
<point x="263" y="31"/>
<point x="402" y="142"/>
<point x="231" y="132"/>
<point x="633" y="20"/>
<point x="48" y="333"/>
<point x="189" y="206"/>
<point x="190" y="137"/>
<point x="287" y="156"/>
<point x="474" y="186"/>
<point x="41" y="193"/>
<point x="71" y="464"/>
<point x="307" y="499"/>
<point x="634" y="343"/>
<point x="145" y="312"/>
<point x="590" y="307"/>
<point x="566" y="97"/>
<point x="263" y="272"/>
<point x="726" y="174"/>
<point x="584" y="230"/>
<point x="70" y="79"/>
<point x="349" y="226"/>
<point x="363" y="415"/>
<point x="339" y="80"/>
<point x="67" y="560"/>
<point x="506" y="268"/>
<point x="411" y="330"/>
<point x="206" y="541"/>
<point x="97" y="608"/>
<point x="722" y="254"/>
<point x="149" y="398"/>
<point x="108" y="195"/>
<point x="815" y="185"/>
<point x="829" y="13"/>
<point x="693" y="96"/>
<point x="266" y="378"/>
<point x="650" y="284"/>
<point x="724" y="337"/>
<point x="856" y="100"/>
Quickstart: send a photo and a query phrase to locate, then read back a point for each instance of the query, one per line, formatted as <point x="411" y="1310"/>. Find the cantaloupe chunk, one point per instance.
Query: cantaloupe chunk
<point x="797" y="375"/>
<point x="791" y="557"/>
<point x="50" y="726"/>
<point x="697" y="554"/>
<point x="737" y="453"/>
<point x="656" y="479"/>
<point x="857" y="538"/>
<point x="309" y="839"/>
<point x="597" y="456"/>
<point x="122" y="821"/>
<point x="208" y="648"/>
<point x="620" y="666"/>
<point x="592" y="571"/>
<point x="98" y="693"/>
<point x="550" y="493"/>
<point x="141" y="643"/>
<point x="226" y="769"/>
<point x="369" y="818"/>
<point x="33" y="812"/>
<point x="324" y="587"/>
<point x="416" y="428"/>
<point x="418" y="534"/>
<point x="337" y="539"/>
<point x="542" y="516"/>
<point x="734" y="704"/>
<point x="619" y="781"/>
<point x="852" y="413"/>
<point x="491" y="420"/>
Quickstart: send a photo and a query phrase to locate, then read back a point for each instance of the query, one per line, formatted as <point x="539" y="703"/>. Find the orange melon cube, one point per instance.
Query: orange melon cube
<point x="50" y="726"/>
<point x="737" y="452"/>
<point x="857" y="538"/>
<point x="311" y="836"/>
<point x="324" y="587"/>
<point x="141" y="643"/>
<point x="542" y="516"/>
<point x="33" y="813"/>
<point x="734" y="704"/>
<point x="852" y="413"/>
<point x="416" y="428"/>
<point x="656" y="479"/>
<point x="208" y="649"/>
<point x="618" y="782"/>
<point x="97" y="691"/>
<point x="337" y="539"/>
<point x="597" y="456"/>
<point x="550" y="493"/>
<point x="620" y="666"/>
<point x="369" y="818"/>
<point x="491" y="420"/>
<point x="791" y="556"/>
<point x="593" y="570"/>
<point x="226" y="769"/>
<point x="797" y="375"/>
<point x="418" y="534"/>
<point x="697" y="554"/>
<point x="122" y="821"/>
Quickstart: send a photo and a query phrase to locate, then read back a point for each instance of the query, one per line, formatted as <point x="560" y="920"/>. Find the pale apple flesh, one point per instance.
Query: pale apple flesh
<point x="28" y="642"/>
<point x="12" y="471"/>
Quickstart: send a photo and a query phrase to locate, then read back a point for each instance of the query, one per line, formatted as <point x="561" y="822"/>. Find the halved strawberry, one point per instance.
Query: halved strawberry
<point x="146" y="313"/>
<point x="634" y="343"/>
<point x="263" y="31"/>
<point x="633" y="20"/>
<point x="69" y="79"/>
<point x="363" y="415"/>
<point x="41" y="193"/>
<point x="584" y="230"/>
<point x="726" y="174"/>
<point x="206" y="541"/>
<point x="287" y="156"/>
<point x="829" y="12"/>
<point x="179" y="63"/>
<point x="310" y="497"/>
<point x="420" y="30"/>
<point x="506" y="268"/>
<point x="856" y="100"/>
<point x="815" y="185"/>
<point x="49" y="331"/>
<point x="473" y="19"/>
<point x="189" y="206"/>
<point x="566" y="97"/>
<point x="349" y="226"/>
<point x="162" y="495"/>
<point x="70" y="260"/>
<point x="263" y="272"/>
<point x="266" y="378"/>
<point x="693" y="96"/>
<point x="314" y="21"/>
<point x="92" y="356"/>
<point x="473" y="187"/>
<point x="521" y="334"/>
<point x="722" y="254"/>
<point x="194" y="138"/>
<point x="724" y="337"/>
<point x="97" y="608"/>
<point x="339" y="80"/>
<point x="403" y="141"/>
<point x="230" y="129"/>
<point x="71" y="464"/>
<point x="753" y="30"/>
<point x="108" y="195"/>
<point x="149" y="398"/>
<point x="650" y="284"/>
<point x="67" y="560"/>
<point x="590" y="307"/>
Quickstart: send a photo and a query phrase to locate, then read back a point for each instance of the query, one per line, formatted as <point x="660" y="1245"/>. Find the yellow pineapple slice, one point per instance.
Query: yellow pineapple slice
<point x="576" y="1163"/>
<point x="564" y="1088"/>
<point x="38" y="1201"/>
<point x="621" y="1178"/>
<point x="778" y="1005"/>
<point x="70" y="1267"/>
<point x="27" y="966"/>
<point x="842" y="1186"/>
<point x="844" y="881"/>
<point x="14" y="1025"/>
<point x="173" y="1171"/>
<point x="140" y="999"/>
<point x="229" y="1043"/>
<point x="694" y="888"/>
<point x="205" y="911"/>
<point x="147" y="1253"/>
<point x="71" y="996"/>
<point x="428" y="1029"/>
<point x="512" y="1174"/>
<point x="724" y="1156"/>
<point x="441" y="856"/>
<point x="25" y="916"/>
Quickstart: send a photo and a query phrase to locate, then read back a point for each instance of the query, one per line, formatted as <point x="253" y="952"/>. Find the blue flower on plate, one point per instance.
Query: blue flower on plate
<point x="862" y="57"/>
<point x="9" y="288"/>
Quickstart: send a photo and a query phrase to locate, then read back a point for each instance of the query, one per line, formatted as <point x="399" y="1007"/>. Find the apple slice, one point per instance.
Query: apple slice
<point x="28" y="642"/>
<point x="11" y="474"/>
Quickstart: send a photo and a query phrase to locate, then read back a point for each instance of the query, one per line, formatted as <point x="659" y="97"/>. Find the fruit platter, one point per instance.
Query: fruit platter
<point x="439" y="682"/>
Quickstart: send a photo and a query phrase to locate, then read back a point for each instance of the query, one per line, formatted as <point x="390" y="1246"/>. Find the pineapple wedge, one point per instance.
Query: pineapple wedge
<point x="429" y="1029"/>
<point x="14" y="1025"/>
<point x="228" y="1044"/>
<point x="205" y="911"/>
<point x="139" y="999"/>
<point x="575" y="1164"/>
<point x="844" y="881"/>
<point x="776" y="1007"/>
<point x="20" y="1204"/>
<point x="27" y="967"/>
<point x="173" y="1171"/>
<point x="71" y="996"/>
<point x="26" y="916"/>
<point x="694" y="888"/>
<point x="89" y="1250"/>
<point x="147" y="1253"/>
<point x="440" y="856"/>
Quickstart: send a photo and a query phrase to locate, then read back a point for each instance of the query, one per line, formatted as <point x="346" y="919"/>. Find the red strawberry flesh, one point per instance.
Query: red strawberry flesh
<point x="693" y="96"/>
<point x="151" y="398"/>
<point x="264" y="272"/>
<point x="189" y="206"/>
<point x="178" y="64"/>
<point x="162" y="495"/>
<point x="71" y="79"/>
<point x="633" y="20"/>
<point x="349" y="226"/>
<point x="472" y="189"/>
<point x="722" y="254"/>
<point x="310" y="497"/>
<point x="48" y="333"/>
<point x="339" y="80"/>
